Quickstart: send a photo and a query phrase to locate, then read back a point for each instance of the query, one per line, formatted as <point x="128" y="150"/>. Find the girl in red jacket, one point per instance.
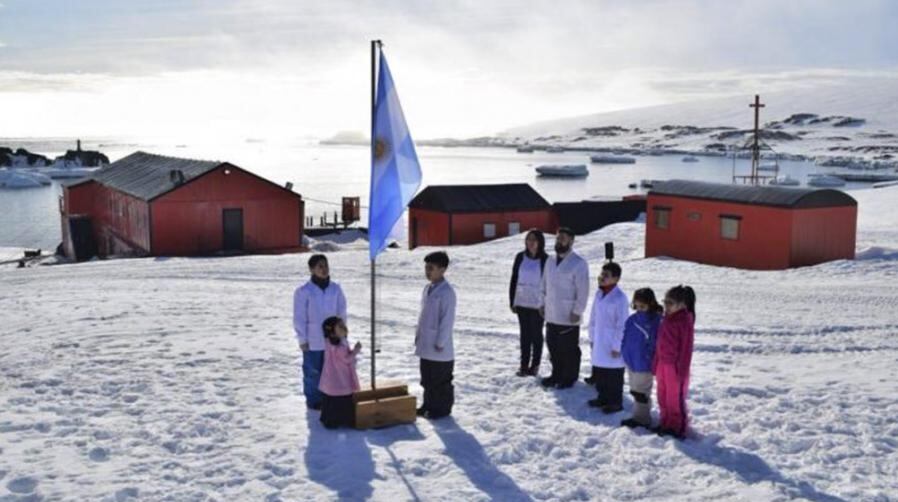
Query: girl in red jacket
<point x="673" y="357"/>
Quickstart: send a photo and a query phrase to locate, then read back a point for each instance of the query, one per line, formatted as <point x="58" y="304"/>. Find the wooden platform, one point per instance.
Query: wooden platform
<point x="388" y="404"/>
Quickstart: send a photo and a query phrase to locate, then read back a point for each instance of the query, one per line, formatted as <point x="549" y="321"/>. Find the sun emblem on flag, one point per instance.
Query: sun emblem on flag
<point x="381" y="147"/>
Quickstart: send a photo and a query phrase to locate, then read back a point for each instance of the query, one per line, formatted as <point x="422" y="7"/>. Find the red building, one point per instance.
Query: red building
<point x="752" y="227"/>
<point x="467" y="214"/>
<point x="147" y="204"/>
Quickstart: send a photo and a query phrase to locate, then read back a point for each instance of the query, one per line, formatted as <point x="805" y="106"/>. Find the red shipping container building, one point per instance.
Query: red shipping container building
<point x="751" y="227"/>
<point x="450" y="215"/>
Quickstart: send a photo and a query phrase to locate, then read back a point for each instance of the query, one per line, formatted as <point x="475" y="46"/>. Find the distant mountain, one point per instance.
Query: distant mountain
<point x="858" y="121"/>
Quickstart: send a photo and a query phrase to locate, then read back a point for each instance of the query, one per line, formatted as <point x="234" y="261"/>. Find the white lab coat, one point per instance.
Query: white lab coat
<point x="435" y="323"/>
<point x="565" y="289"/>
<point x="606" y="327"/>
<point x="311" y="307"/>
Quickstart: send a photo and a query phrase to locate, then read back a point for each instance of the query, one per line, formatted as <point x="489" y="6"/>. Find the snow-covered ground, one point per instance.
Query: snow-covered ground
<point x="178" y="379"/>
<point x="855" y="120"/>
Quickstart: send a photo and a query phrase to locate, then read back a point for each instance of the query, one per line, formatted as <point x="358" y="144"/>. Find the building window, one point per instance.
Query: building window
<point x="514" y="228"/>
<point x="729" y="227"/>
<point x="662" y="217"/>
<point x="489" y="230"/>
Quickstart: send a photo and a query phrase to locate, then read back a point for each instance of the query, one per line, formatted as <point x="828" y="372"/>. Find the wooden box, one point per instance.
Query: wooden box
<point x="388" y="404"/>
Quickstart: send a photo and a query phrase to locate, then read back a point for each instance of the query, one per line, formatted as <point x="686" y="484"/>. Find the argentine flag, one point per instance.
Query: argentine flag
<point x="395" y="171"/>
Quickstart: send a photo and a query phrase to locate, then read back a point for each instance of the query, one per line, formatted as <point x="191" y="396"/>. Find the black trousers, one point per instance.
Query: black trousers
<point x="564" y="352"/>
<point x="337" y="411"/>
<point x="531" y="324"/>
<point x="439" y="393"/>
<point x="610" y="385"/>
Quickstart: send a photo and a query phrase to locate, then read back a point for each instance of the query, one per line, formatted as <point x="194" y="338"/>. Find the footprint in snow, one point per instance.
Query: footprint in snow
<point x="99" y="454"/>
<point x="24" y="484"/>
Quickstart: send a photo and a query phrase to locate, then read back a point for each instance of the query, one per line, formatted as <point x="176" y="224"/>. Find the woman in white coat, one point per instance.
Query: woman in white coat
<point x="524" y="297"/>
<point x="610" y="310"/>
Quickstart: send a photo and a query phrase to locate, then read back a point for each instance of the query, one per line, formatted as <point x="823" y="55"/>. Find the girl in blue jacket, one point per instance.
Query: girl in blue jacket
<point x="638" y="349"/>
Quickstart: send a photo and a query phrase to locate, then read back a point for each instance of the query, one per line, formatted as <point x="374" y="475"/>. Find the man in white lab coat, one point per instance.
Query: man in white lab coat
<point x="564" y="293"/>
<point x="433" y="339"/>
<point x="610" y="310"/>
<point x="313" y="302"/>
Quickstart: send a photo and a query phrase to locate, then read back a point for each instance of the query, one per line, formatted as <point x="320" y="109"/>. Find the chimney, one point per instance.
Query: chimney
<point x="176" y="176"/>
<point x="289" y="185"/>
<point x="79" y="145"/>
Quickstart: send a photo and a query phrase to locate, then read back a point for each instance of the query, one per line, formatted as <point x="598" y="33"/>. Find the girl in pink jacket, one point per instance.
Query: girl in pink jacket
<point x="338" y="377"/>
<point x="673" y="358"/>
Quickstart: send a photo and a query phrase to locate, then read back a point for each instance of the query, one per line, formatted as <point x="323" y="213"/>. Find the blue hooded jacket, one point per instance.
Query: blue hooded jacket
<point x="640" y="336"/>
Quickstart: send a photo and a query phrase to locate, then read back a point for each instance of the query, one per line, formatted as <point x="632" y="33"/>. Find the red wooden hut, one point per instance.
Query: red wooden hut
<point x="466" y="214"/>
<point x="752" y="227"/>
<point x="147" y="204"/>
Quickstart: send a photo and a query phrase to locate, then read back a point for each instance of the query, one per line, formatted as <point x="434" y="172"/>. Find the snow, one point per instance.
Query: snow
<point x="178" y="379"/>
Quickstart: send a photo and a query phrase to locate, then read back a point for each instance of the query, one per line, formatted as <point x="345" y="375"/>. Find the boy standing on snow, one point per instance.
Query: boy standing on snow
<point x="433" y="339"/>
<point x="610" y="310"/>
<point x="315" y="301"/>
<point x="564" y="291"/>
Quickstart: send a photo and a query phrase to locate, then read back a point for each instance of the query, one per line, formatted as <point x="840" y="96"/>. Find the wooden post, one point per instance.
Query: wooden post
<point x="756" y="147"/>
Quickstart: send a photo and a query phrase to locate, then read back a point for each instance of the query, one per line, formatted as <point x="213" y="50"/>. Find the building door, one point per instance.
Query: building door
<point x="413" y="239"/>
<point x="232" y="219"/>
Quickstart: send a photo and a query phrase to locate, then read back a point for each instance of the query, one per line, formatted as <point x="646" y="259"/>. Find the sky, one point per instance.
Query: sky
<point x="301" y="69"/>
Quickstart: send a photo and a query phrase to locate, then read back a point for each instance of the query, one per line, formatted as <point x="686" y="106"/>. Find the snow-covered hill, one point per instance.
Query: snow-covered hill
<point x="858" y="120"/>
<point x="178" y="379"/>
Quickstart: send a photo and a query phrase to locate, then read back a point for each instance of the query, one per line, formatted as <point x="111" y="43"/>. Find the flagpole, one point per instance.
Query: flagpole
<point x="375" y="44"/>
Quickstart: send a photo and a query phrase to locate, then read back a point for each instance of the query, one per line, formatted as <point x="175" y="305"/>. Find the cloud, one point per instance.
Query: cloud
<point x="462" y="67"/>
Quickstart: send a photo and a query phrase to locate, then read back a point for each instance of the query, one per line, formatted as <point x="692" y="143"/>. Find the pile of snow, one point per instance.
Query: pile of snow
<point x="340" y="240"/>
<point x="179" y="379"/>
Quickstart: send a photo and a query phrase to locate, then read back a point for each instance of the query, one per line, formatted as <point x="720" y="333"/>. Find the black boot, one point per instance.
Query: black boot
<point x="608" y="409"/>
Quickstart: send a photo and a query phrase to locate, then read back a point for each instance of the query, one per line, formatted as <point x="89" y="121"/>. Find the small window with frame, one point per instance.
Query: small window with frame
<point x="489" y="230"/>
<point x="514" y="228"/>
<point x="662" y="217"/>
<point x="730" y="227"/>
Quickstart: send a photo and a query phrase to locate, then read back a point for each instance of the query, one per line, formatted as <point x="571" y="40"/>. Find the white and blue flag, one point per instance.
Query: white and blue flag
<point x="395" y="171"/>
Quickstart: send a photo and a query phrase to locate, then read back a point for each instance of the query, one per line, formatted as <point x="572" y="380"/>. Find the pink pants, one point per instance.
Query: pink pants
<point x="672" y="392"/>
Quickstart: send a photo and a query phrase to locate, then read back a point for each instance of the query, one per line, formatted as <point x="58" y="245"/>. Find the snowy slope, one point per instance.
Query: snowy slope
<point x="666" y="127"/>
<point x="177" y="379"/>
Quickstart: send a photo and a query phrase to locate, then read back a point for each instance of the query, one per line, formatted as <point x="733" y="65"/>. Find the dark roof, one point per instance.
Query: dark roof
<point x="479" y="198"/>
<point x="803" y="198"/>
<point x="147" y="176"/>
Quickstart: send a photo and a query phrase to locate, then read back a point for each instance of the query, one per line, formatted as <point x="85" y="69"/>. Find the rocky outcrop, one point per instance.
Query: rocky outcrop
<point x="83" y="158"/>
<point x="21" y="158"/>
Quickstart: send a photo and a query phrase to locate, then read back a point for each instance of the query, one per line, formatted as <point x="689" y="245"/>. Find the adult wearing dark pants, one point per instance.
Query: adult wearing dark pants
<point x="524" y="297"/>
<point x="565" y="290"/>
<point x="433" y="339"/>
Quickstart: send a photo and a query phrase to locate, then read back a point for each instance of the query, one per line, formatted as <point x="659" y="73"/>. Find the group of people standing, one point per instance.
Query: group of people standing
<point x="653" y="343"/>
<point x="328" y="361"/>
